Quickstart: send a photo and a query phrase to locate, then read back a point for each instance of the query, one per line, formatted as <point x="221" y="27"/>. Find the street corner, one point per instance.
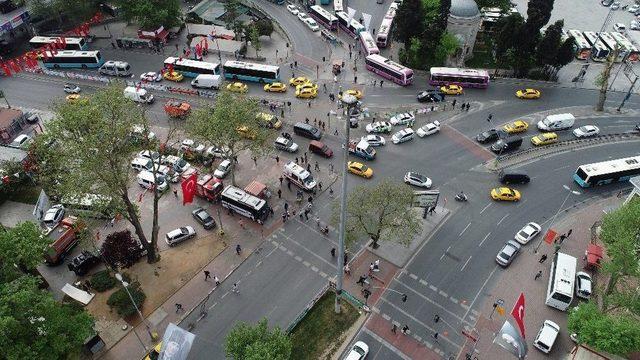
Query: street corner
<point x="403" y="343"/>
<point x="369" y="276"/>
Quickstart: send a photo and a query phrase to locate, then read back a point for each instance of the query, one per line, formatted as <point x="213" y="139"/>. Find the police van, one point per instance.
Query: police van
<point x="115" y="68"/>
<point x="298" y="175"/>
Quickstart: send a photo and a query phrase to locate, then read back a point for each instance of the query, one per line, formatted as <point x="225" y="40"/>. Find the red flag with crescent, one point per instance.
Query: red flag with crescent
<point x="518" y="313"/>
<point x="189" y="189"/>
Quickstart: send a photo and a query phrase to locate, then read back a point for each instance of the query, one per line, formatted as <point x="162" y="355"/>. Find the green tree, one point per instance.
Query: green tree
<point x="413" y="13"/>
<point x="23" y="246"/>
<point x="547" y="50"/>
<point x="231" y="16"/>
<point x="411" y="56"/>
<point x="35" y="326"/>
<point x="231" y="125"/>
<point x="396" y="221"/>
<point x="448" y="46"/>
<point x="121" y="302"/>
<point x="265" y="27"/>
<point x="254" y="37"/>
<point x="538" y="14"/>
<point x="506" y="28"/>
<point x="151" y="14"/>
<point x="565" y="53"/>
<point x="246" y="342"/>
<point x="504" y="5"/>
<point x="66" y="16"/>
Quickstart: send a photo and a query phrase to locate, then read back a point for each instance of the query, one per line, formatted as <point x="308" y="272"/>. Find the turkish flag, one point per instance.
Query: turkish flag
<point x="549" y="236"/>
<point x="518" y="313"/>
<point x="189" y="189"/>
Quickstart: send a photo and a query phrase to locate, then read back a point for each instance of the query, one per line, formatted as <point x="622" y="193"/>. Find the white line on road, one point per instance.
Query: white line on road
<point x="445" y="252"/>
<point x="560" y="168"/>
<point x="465" y="264"/>
<point x="479" y="291"/>
<point x="413" y="276"/>
<point x="213" y="305"/>
<point x="486" y="207"/>
<point x="521" y="202"/>
<point x="485" y="238"/>
<point x="386" y="344"/>
<point x="501" y="220"/>
<point x="465" y="229"/>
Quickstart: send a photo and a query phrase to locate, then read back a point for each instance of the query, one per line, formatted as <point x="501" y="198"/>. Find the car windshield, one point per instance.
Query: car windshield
<point x="364" y="168"/>
<point x="184" y="231"/>
<point x="419" y="177"/>
<point x="203" y="215"/>
<point x="308" y="180"/>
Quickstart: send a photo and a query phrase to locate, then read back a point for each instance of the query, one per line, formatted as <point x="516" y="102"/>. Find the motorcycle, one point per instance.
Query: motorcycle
<point x="461" y="197"/>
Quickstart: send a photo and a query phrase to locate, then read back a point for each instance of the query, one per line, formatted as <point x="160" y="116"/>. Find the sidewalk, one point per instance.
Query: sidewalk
<point x="519" y="277"/>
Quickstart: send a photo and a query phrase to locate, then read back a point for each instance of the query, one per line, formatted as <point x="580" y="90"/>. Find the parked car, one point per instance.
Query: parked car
<point x="303" y="16"/>
<point x="417" y="179"/>
<point x="21" y="141"/>
<point x="191" y="145"/>
<point x="71" y="88"/>
<point x="82" y="263"/>
<point x="527" y="233"/>
<point x="293" y="9"/>
<point x="619" y="27"/>
<point x="312" y="24"/>
<point x="508" y="252"/>
<point x="53" y="216"/>
<point x="285" y="144"/>
<point x="223" y="169"/>
<point x="179" y="235"/>
<point x="546" y="336"/>
<point x="151" y="76"/>
<point x="583" y="285"/>
<point x="428" y="129"/>
<point x="204" y="218"/>
<point x="374" y="140"/>
<point x="358" y="351"/>
<point x="586" y="131"/>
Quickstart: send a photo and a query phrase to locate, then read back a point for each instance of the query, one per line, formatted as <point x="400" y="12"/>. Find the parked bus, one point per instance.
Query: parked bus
<point x="562" y="277"/>
<point x="391" y="12"/>
<point x="632" y="51"/>
<point x="611" y="44"/>
<point x="388" y="69"/>
<point x="582" y="46"/>
<point x="325" y="2"/>
<point x="352" y="27"/>
<point x="337" y="6"/>
<point x="192" y="68"/>
<point x="245" y="204"/>
<point x="599" y="51"/>
<point x="238" y="70"/>
<point x="324" y="17"/>
<point x="73" y="59"/>
<point x="71" y="43"/>
<point x="464" y="77"/>
<point x="607" y="172"/>
<point x="368" y="45"/>
<point x="89" y="206"/>
<point x="384" y="32"/>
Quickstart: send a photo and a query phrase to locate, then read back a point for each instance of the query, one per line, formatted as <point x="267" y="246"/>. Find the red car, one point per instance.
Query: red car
<point x="177" y="108"/>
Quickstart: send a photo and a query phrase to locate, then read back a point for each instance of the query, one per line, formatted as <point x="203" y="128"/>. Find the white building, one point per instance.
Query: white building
<point x="464" y="22"/>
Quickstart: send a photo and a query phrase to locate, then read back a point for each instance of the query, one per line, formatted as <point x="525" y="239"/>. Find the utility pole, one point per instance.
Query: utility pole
<point x="628" y="94"/>
<point x="603" y="80"/>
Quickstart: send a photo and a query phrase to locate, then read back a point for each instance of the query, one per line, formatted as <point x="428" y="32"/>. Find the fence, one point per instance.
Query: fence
<point x="306" y="309"/>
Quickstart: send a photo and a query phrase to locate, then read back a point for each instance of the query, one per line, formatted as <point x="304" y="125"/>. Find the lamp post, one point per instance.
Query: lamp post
<point x="553" y="220"/>
<point x="125" y="285"/>
<point x="351" y="102"/>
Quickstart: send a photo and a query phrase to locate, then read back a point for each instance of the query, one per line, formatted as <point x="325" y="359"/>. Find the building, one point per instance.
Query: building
<point x="12" y="122"/>
<point x="212" y="12"/>
<point x="464" y="23"/>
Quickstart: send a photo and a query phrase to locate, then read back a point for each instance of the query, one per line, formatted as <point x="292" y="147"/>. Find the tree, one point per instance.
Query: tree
<point x="616" y="334"/>
<point x="246" y="342"/>
<point x="92" y="156"/>
<point x="151" y="14"/>
<point x="231" y="15"/>
<point x="565" y="53"/>
<point x="232" y="125"/>
<point x="35" y="326"/>
<point x="396" y="221"/>
<point x="504" y="5"/>
<point x="265" y="27"/>
<point x="254" y="37"/>
<point x="412" y="11"/>
<point x="65" y="15"/>
<point x="538" y="14"/>
<point x="506" y="28"/>
<point x="22" y="245"/>
<point x="547" y="50"/>
<point x="121" y="301"/>
<point x="603" y="79"/>
<point x="447" y="47"/>
<point x="120" y="249"/>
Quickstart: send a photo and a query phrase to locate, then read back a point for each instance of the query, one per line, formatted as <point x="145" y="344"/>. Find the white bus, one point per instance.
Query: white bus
<point x="192" y="68"/>
<point x="607" y="172"/>
<point x="626" y="45"/>
<point x="391" y="12"/>
<point x="388" y="69"/>
<point x="337" y="6"/>
<point x="352" y="27"/>
<point x="599" y="51"/>
<point x="611" y="44"/>
<point x="247" y="205"/>
<point x="72" y="59"/>
<point x="368" y="45"/>
<point x="89" y="206"/>
<point x="324" y="17"/>
<point x="562" y="277"/>
<point x="71" y="43"/>
<point x="582" y="46"/>
<point x="239" y="70"/>
<point x="384" y="32"/>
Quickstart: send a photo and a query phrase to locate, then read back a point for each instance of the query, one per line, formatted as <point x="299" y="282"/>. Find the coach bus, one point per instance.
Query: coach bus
<point x="464" y="77"/>
<point x="239" y="70"/>
<point x="599" y="51"/>
<point x="388" y="69"/>
<point x="611" y="44"/>
<point x="247" y="205"/>
<point x="562" y="277"/>
<point x="89" y="206"/>
<point x="192" y="68"/>
<point x="337" y="6"/>
<point x="73" y="59"/>
<point x="607" y="172"/>
<point x="582" y="46"/>
<point x="626" y="45"/>
<point x="324" y="17"/>
<point x="391" y="12"/>
<point x="352" y="27"/>
<point x="368" y="45"/>
<point x="384" y="32"/>
<point x="71" y="43"/>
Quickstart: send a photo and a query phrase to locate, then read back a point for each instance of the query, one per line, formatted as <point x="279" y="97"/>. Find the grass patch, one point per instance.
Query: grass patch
<point x="320" y="331"/>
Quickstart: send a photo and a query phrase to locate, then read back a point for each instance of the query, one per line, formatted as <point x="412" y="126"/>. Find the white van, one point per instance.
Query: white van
<point x="557" y="122"/>
<point x="141" y="163"/>
<point x="546" y="336"/>
<point x="145" y="180"/>
<point x="206" y="81"/>
<point x="115" y="68"/>
<point x="138" y="95"/>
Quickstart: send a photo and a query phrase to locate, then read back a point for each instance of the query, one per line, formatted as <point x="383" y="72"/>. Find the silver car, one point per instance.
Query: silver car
<point x="508" y="252"/>
<point x="179" y="235"/>
<point x="223" y="169"/>
<point x="527" y="233"/>
<point x="583" y="285"/>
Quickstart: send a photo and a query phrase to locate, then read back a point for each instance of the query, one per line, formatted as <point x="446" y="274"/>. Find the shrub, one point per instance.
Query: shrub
<point x="120" y="301"/>
<point x="102" y="281"/>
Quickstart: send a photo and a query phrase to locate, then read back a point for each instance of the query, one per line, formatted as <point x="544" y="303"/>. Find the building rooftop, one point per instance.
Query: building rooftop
<point x="7" y="116"/>
<point x="464" y="9"/>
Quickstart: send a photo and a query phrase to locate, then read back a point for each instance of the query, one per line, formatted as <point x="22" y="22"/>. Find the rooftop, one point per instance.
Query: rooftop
<point x="7" y="116"/>
<point x="464" y="9"/>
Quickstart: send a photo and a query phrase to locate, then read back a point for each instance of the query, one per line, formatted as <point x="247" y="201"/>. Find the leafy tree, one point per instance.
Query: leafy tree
<point x="121" y="301"/>
<point x="410" y="56"/>
<point x="66" y="16"/>
<point x="35" y="326"/>
<point x="265" y="27"/>
<point x="565" y="53"/>
<point x="547" y="50"/>
<point x="231" y="125"/>
<point x="506" y="28"/>
<point x="232" y="13"/>
<point x="447" y="47"/>
<point x="23" y="246"/>
<point x="504" y="5"/>
<point x="120" y="249"/>
<point x="246" y="342"/>
<point x="538" y="14"/>
<point x="395" y="221"/>
<point x="151" y="14"/>
<point x="254" y="37"/>
<point x="413" y="13"/>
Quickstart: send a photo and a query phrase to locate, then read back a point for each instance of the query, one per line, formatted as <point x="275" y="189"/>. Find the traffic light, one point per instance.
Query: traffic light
<point x="436" y="318"/>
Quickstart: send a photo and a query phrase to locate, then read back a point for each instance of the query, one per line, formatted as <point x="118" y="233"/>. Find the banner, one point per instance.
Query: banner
<point x="367" y="20"/>
<point x="189" y="189"/>
<point x="351" y="12"/>
<point x="518" y="313"/>
<point x="509" y="339"/>
<point x="176" y="343"/>
<point x="549" y="236"/>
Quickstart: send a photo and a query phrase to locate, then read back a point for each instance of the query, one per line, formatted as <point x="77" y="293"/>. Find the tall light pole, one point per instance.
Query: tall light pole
<point x="351" y="102"/>
<point x="553" y="220"/>
<point x="125" y="285"/>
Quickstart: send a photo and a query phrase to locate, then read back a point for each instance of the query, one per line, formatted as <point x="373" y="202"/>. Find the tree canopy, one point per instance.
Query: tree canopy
<point x="151" y="14"/>
<point x="22" y="245"/>
<point x="246" y="342"/>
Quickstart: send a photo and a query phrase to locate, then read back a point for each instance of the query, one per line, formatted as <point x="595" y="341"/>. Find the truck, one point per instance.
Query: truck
<point x="177" y="108"/>
<point x="64" y="237"/>
<point x="209" y="187"/>
<point x="138" y="95"/>
<point x="296" y="174"/>
<point x="362" y="149"/>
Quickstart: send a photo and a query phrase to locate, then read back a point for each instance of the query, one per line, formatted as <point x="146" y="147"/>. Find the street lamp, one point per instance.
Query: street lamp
<point x="351" y="102"/>
<point x="125" y="285"/>
<point x="553" y="220"/>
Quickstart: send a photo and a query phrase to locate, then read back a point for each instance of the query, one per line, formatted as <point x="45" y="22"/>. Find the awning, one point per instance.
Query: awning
<point x="78" y="295"/>
<point x="256" y="188"/>
<point x="594" y="255"/>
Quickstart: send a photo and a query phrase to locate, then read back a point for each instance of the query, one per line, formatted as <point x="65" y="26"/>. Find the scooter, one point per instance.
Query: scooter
<point x="461" y="197"/>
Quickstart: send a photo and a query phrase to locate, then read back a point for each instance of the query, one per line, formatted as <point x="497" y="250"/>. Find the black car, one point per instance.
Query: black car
<point x="202" y="216"/>
<point x="82" y="263"/>
<point x="489" y="136"/>
<point x="430" y="96"/>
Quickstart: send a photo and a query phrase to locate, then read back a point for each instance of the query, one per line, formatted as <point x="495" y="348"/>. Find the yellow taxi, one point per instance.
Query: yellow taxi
<point x="308" y="85"/>
<point x="360" y="169"/>
<point x="275" y="87"/>
<point x="451" y="89"/>
<point x="173" y="76"/>
<point x="544" y="139"/>
<point x="246" y="133"/>
<point x="298" y="81"/>
<point x="154" y="354"/>
<point x="238" y="87"/>
<point x="73" y="98"/>
<point x="306" y="93"/>
<point x="528" y="94"/>
<point x="505" y="194"/>
<point x="517" y="126"/>
<point x="270" y="121"/>
<point x="355" y="92"/>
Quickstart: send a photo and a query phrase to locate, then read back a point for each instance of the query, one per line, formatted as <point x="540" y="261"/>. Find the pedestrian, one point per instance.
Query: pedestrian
<point x="562" y="238"/>
<point x="310" y="199"/>
<point x="301" y="218"/>
<point x="113" y="45"/>
<point x="346" y="258"/>
<point x="289" y="185"/>
<point x="318" y="221"/>
<point x="490" y="117"/>
<point x="361" y="280"/>
<point x="175" y="193"/>
<point x="282" y="113"/>
<point x="538" y="275"/>
<point x="569" y="233"/>
<point x="279" y="194"/>
<point x="405" y="329"/>
<point x="320" y="184"/>
<point x="277" y="159"/>
<point x="238" y="249"/>
<point x="284" y="217"/>
<point x="113" y="222"/>
<point x="280" y="178"/>
<point x="291" y="66"/>
<point x="309" y="103"/>
<point x="296" y="160"/>
<point x="394" y="328"/>
<point x="468" y="106"/>
<point x="316" y="166"/>
<point x="324" y="87"/>
<point x="255" y="161"/>
<point x="371" y="269"/>
<point x="404" y="297"/>
<point x="306" y="213"/>
<point x="355" y="79"/>
<point x="308" y="167"/>
<point x="215" y="278"/>
<point x="333" y="252"/>
<point x="241" y="223"/>
<point x="306" y="120"/>
<point x="295" y="63"/>
<point x="336" y="132"/>
<point x="178" y="307"/>
<point x="431" y="210"/>
<point x="349" y="56"/>
<point x="376" y="265"/>
<point x="235" y="289"/>
<point x="207" y="275"/>
<point x="542" y="258"/>
<point x="331" y="167"/>
<point x="347" y="270"/>
<point x="286" y="206"/>
<point x="324" y="126"/>
<point x="381" y="81"/>
<point x="305" y="157"/>
<point x="453" y="104"/>
<point x="235" y="158"/>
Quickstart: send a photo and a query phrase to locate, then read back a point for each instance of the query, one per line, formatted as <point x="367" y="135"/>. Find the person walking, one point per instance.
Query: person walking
<point x="277" y="159"/>
<point x="289" y="185"/>
<point x="241" y="223"/>
<point x="381" y="81"/>
<point x="405" y="329"/>
<point x="538" y="275"/>
<point x="308" y="167"/>
<point x="281" y="179"/>
<point x="316" y="166"/>
<point x="333" y="252"/>
<point x="319" y="183"/>
<point x="286" y="206"/>
<point x="453" y="104"/>
<point x="346" y="258"/>
<point x="301" y="216"/>
<point x="216" y="280"/>
<point x="284" y="217"/>
<point x="306" y="214"/>
<point x="361" y="280"/>
<point x="542" y="258"/>
<point x="305" y="157"/>
<point x="255" y="159"/>
<point x="235" y="289"/>
<point x="175" y="193"/>
<point x="207" y="275"/>
<point x="318" y="221"/>
<point x="347" y="270"/>
<point x="394" y="328"/>
<point x="569" y="233"/>
<point x="238" y="249"/>
<point x="178" y="307"/>
<point x="279" y="194"/>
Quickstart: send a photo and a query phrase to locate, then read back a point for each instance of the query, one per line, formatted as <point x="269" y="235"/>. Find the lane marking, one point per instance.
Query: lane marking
<point x="480" y="291"/>
<point x="486" y="207"/>
<point x="413" y="276"/>
<point x="465" y="264"/>
<point x="520" y="203"/>
<point x="465" y="229"/>
<point x="445" y="252"/>
<point x="501" y="220"/>
<point x="485" y="238"/>
<point x="386" y="344"/>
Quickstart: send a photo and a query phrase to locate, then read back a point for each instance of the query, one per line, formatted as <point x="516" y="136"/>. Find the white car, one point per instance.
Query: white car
<point x="21" y="141"/>
<point x="53" y="216"/>
<point x="312" y="24"/>
<point x="191" y="145"/>
<point x="546" y="336"/>
<point x="285" y="144"/>
<point x="223" y="169"/>
<point x="358" y="351"/>
<point x="374" y="140"/>
<point x="429" y="129"/>
<point x="417" y="179"/>
<point x="635" y="25"/>
<point x="527" y="233"/>
<point x="586" y="131"/>
<point x="214" y="151"/>
<point x="403" y="119"/>
<point x="619" y="27"/>
<point x="379" y="127"/>
<point x="615" y="5"/>
<point x="151" y="76"/>
<point x="633" y="8"/>
<point x="179" y="235"/>
<point x="153" y="155"/>
<point x="303" y="17"/>
<point x="71" y="88"/>
<point x="137" y="131"/>
<point x="293" y="9"/>
<point x="403" y="135"/>
<point x="583" y="285"/>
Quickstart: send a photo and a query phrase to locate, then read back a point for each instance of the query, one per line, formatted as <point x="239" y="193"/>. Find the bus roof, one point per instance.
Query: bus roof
<point x="366" y="37"/>
<point x="623" y="41"/>
<point x="390" y="64"/>
<point x="192" y="63"/>
<point x="565" y="273"/>
<point x="66" y="53"/>
<point x="591" y="36"/>
<point x="248" y="65"/>
<point x="240" y="195"/>
<point x="42" y="39"/>
<point x="579" y="39"/>
<point x="606" y="167"/>
<point x="458" y="71"/>
<point x="324" y="13"/>
<point x="385" y="26"/>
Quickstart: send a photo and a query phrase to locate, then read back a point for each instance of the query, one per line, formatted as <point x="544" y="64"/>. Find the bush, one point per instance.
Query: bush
<point x="122" y="303"/>
<point x="102" y="281"/>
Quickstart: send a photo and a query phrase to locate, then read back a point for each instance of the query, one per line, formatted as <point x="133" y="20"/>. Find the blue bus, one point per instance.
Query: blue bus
<point x="325" y="2"/>
<point x="239" y="70"/>
<point x="192" y="68"/>
<point x="607" y="172"/>
<point x="73" y="59"/>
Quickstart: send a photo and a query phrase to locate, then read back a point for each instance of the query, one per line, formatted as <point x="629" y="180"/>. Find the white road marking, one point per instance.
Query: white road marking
<point x="315" y="269"/>
<point x="386" y="317"/>
<point x="485" y="238"/>
<point x="465" y="229"/>
<point x="465" y="264"/>
<point x="386" y="344"/>
<point x="431" y="301"/>
<point x="445" y="252"/>
<point x="520" y="203"/>
<point x="443" y="293"/>
<point x="479" y="291"/>
<point x="323" y="274"/>
<point x="413" y="276"/>
<point x="486" y="207"/>
<point x="433" y="288"/>
<point x="421" y="281"/>
<point x="298" y="258"/>
<point x="501" y="220"/>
